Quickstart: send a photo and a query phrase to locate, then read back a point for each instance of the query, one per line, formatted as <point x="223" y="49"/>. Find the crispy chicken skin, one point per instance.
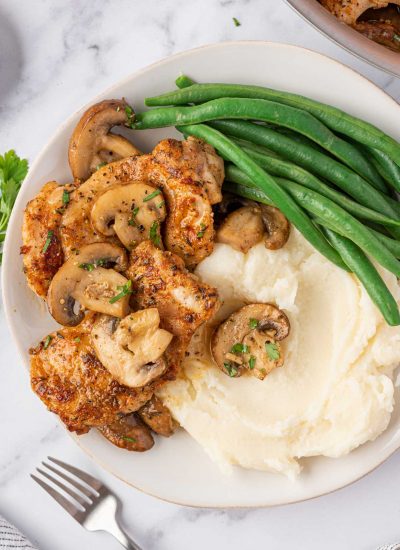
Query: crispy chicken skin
<point x="349" y="11"/>
<point x="160" y="279"/>
<point x="190" y="175"/>
<point x="71" y="381"/>
<point x="42" y="219"/>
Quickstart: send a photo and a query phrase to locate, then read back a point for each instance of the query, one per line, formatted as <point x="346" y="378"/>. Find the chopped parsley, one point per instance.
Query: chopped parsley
<point x="100" y="165"/>
<point x="91" y="266"/>
<point x="65" y="197"/>
<point x="125" y="290"/>
<point x="49" y="238"/>
<point x="240" y="348"/>
<point x="252" y="362"/>
<point x="77" y="339"/>
<point x="131" y="439"/>
<point x="236" y="22"/>
<point x="272" y="351"/>
<point x="152" y="195"/>
<point x="47" y="341"/>
<point x="203" y="228"/>
<point x="133" y="221"/>
<point x="253" y="323"/>
<point x="154" y="234"/>
<point x="230" y="369"/>
<point x="130" y="115"/>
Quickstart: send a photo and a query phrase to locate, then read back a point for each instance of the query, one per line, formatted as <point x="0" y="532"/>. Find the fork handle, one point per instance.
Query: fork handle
<point x="117" y="531"/>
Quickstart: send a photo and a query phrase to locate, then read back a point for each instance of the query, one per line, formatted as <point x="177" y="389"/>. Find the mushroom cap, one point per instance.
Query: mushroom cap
<point x="129" y="210"/>
<point x="92" y="136"/>
<point x="129" y="432"/>
<point x="277" y="225"/>
<point x="84" y="278"/>
<point x="242" y="229"/>
<point x="132" y="349"/>
<point x="254" y="331"/>
<point x="158" y="417"/>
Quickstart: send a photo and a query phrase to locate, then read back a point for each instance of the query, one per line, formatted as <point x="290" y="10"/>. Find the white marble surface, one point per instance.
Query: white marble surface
<point x="54" y="56"/>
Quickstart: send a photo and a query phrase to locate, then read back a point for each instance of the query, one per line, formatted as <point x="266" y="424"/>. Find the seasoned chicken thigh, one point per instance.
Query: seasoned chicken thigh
<point x="41" y="249"/>
<point x="159" y="279"/>
<point x="71" y="381"/>
<point x="349" y="11"/>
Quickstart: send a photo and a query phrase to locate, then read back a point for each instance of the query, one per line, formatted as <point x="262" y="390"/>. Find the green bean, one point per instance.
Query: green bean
<point x="391" y="244"/>
<point x="257" y="109"/>
<point x="369" y="277"/>
<point x="336" y="217"/>
<point x="388" y="169"/>
<point x="184" y="81"/>
<point x="280" y="198"/>
<point x="334" y="118"/>
<point x="285" y="169"/>
<point x="312" y="160"/>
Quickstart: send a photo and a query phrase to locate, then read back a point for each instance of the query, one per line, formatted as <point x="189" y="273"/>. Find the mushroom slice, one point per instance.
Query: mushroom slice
<point x="244" y="224"/>
<point x="132" y="349"/>
<point x="130" y="433"/>
<point x="277" y="226"/>
<point x="248" y="341"/>
<point x="242" y="229"/>
<point x="92" y="143"/>
<point x="87" y="278"/>
<point x="156" y="415"/>
<point x="133" y="211"/>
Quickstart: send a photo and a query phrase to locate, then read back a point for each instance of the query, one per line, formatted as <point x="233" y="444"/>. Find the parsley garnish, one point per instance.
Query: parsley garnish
<point x="152" y="195"/>
<point x="12" y="172"/>
<point x="132" y="221"/>
<point x="131" y="439"/>
<point x="236" y="22"/>
<point x="101" y="165"/>
<point x="240" y="348"/>
<point x="203" y="228"/>
<point x="252" y="362"/>
<point x="49" y="238"/>
<point x="130" y="115"/>
<point x="97" y="263"/>
<point x="125" y="290"/>
<point x="154" y="235"/>
<point x="65" y="197"/>
<point x="230" y="369"/>
<point x="272" y="350"/>
<point x="47" y="341"/>
<point x="253" y="323"/>
<point x="77" y="339"/>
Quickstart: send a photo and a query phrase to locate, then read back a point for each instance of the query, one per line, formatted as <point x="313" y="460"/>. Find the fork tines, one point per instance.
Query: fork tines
<point x="77" y="502"/>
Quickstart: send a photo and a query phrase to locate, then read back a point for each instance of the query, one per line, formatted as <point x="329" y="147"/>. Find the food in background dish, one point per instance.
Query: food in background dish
<point x="378" y="20"/>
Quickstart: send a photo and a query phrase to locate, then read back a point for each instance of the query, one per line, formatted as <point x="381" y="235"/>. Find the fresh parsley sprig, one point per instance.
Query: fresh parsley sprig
<point x="12" y="173"/>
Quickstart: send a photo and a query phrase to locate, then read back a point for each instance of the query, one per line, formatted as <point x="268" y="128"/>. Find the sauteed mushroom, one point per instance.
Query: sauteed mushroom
<point x="132" y="349"/>
<point x="248" y="341"/>
<point x="92" y="143"/>
<point x="87" y="279"/>
<point x="130" y="433"/>
<point x="246" y="222"/>
<point x="156" y="415"/>
<point x="133" y="211"/>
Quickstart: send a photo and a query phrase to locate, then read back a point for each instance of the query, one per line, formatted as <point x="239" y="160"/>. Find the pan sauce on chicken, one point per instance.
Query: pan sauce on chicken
<point x="111" y="254"/>
<point x="378" y="20"/>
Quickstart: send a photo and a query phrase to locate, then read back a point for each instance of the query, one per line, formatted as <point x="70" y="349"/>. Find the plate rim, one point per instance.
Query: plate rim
<point x="6" y="273"/>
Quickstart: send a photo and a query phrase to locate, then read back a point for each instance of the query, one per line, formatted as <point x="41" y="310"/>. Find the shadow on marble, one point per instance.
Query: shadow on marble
<point x="11" y="58"/>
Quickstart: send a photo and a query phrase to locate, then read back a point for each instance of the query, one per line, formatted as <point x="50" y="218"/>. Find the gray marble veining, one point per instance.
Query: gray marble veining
<point x="55" y="56"/>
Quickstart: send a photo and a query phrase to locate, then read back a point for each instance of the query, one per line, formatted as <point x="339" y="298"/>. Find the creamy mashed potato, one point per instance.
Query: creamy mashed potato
<point x="335" y="390"/>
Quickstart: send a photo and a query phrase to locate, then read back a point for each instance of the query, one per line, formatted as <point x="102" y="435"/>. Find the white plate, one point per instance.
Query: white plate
<point x="177" y="469"/>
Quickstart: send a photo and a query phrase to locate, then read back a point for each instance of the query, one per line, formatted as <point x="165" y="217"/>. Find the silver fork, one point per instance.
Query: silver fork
<point x="93" y="505"/>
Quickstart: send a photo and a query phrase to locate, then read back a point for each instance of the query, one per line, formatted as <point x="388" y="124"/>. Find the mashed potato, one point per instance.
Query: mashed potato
<point x="335" y="390"/>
